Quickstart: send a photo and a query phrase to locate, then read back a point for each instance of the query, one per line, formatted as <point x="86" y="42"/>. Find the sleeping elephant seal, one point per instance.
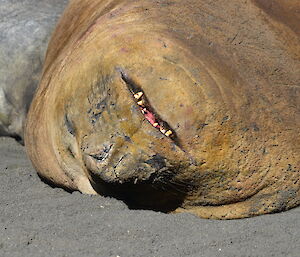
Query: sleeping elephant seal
<point x="186" y="106"/>
<point x="25" y="28"/>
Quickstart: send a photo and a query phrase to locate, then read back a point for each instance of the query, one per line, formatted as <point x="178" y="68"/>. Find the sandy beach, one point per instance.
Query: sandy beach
<point x="38" y="220"/>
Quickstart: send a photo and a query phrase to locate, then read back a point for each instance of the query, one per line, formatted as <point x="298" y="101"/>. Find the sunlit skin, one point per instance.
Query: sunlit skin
<point x="183" y="106"/>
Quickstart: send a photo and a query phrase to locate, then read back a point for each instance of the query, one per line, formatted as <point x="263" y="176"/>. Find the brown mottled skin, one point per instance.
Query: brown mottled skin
<point x="223" y="74"/>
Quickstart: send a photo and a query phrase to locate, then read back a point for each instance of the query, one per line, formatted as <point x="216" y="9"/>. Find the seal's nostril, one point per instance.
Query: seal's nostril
<point x="103" y="155"/>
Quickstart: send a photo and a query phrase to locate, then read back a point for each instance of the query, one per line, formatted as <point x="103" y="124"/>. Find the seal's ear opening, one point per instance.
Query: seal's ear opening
<point x="141" y="196"/>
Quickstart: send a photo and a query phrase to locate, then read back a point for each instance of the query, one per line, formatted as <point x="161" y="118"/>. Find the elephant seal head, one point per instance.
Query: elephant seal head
<point x="171" y="106"/>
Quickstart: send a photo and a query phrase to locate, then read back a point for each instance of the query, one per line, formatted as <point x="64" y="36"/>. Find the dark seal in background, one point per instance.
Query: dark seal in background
<point x="25" y="28"/>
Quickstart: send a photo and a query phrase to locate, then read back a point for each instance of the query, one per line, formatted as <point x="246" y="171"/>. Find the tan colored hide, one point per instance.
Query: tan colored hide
<point x="221" y="76"/>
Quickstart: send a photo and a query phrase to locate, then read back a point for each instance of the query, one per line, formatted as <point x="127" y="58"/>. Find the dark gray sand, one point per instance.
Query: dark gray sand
<point x="37" y="220"/>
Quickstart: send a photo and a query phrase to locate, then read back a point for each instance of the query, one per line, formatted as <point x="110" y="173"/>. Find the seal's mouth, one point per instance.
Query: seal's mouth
<point x="147" y="110"/>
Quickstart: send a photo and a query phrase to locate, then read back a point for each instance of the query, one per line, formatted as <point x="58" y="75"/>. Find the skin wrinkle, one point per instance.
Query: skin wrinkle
<point x="278" y="11"/>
